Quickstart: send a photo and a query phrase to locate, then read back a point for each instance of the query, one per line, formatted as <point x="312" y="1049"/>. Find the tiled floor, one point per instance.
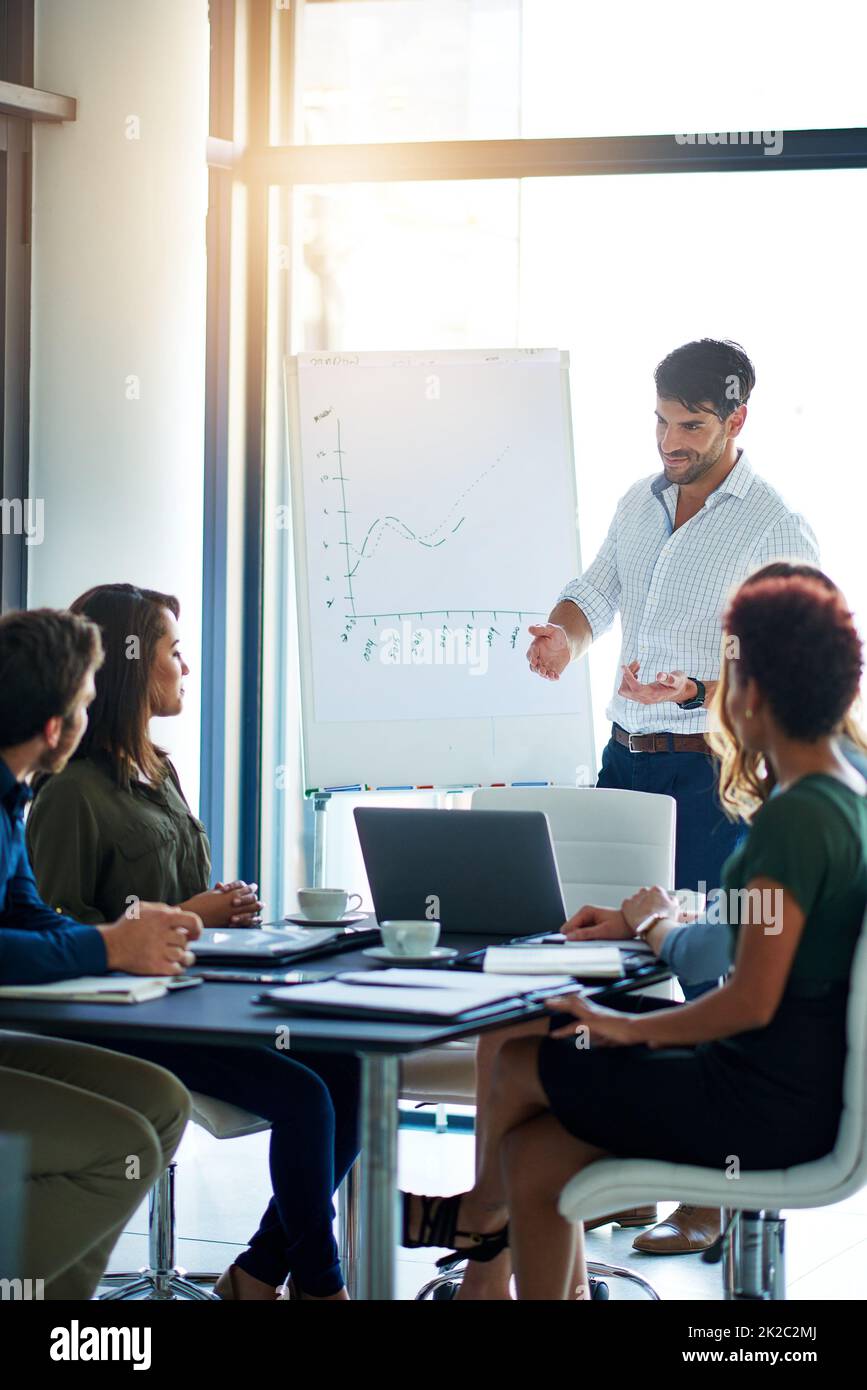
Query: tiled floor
<point x="222" y="1188"/>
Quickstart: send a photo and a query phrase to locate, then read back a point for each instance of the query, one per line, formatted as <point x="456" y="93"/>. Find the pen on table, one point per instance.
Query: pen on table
<point x="248" y="977"/>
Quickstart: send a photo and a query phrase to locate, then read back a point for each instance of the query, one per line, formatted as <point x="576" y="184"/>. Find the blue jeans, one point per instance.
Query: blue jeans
<point x="312" y="1101"/>
<point x="705" y="837"/>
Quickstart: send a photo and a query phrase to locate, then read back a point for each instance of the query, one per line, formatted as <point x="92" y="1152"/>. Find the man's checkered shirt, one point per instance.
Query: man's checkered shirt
<point x="671" y="587"/>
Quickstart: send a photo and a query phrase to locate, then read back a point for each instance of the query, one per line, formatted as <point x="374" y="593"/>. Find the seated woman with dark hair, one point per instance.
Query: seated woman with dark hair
<point x="752" y="1070"/>
<point x="113" y="829"/>
<point x="120" y="792"/>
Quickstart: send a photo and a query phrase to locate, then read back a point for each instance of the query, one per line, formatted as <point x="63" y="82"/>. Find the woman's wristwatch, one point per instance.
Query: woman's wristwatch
<point x="647" y="924"/>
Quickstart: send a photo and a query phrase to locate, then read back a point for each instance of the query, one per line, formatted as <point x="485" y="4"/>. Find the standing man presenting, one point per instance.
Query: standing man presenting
<point x="679" y="542"/>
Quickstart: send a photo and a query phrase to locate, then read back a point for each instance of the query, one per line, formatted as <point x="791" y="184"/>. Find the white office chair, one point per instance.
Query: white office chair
<point x="607" y="843"/>
<point x="161" y="1278"/>
<point x="754" y="1231"/>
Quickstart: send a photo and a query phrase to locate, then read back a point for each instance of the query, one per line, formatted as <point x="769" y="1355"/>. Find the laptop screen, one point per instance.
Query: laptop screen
<point x="474" y="871"/>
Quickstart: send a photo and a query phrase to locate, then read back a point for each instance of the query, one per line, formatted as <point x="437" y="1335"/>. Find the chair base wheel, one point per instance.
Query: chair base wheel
<point x="595" y="1269"/>
<point x="445" y="1291"/>
<point x="446" y="1285"/>
<point x="149" y="1286"/>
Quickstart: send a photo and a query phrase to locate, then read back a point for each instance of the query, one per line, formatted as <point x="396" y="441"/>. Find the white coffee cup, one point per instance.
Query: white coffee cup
<point x="326" y="904"/>
<point x="410" y="938"/>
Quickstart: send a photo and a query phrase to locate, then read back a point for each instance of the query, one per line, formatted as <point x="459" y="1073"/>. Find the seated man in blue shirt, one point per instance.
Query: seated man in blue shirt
<point x="103" y="1123"/>
<point x="43" y="714"/>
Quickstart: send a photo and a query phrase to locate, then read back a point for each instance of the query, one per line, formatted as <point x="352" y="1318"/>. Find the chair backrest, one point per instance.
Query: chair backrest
<point x="607" y="842"/>
<point x="851" y="1145"/>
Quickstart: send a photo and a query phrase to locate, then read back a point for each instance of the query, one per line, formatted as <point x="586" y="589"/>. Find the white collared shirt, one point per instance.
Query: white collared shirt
<point x="671" y="587"/>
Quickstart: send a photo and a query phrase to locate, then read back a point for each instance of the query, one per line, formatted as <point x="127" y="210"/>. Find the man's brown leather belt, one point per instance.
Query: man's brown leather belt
<point x="660" y="743"/>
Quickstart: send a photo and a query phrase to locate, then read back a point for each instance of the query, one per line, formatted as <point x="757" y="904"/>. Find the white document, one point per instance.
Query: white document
<point x="479" y="988"/>
<point x="427" y="993"/>
<point x="93" y="989"/>
<point x="589" y="960"/>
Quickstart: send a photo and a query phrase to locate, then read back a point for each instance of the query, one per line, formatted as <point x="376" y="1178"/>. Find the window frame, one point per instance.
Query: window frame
<point x="16" y="75"/>
<point x="21" y="104"/>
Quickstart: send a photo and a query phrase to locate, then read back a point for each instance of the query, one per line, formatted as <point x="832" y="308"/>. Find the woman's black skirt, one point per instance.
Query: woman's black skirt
<point x="769" y="1098"/>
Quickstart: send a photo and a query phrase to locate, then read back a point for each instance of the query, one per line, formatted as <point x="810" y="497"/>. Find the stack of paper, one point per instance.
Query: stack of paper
<point x="415" y="994"/>
<point x="590" y="960"/>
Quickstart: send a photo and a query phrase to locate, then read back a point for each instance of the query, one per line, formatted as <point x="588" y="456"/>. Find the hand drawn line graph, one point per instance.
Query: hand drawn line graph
<point x="400" y="527"/>
<point x="430" y="539"/>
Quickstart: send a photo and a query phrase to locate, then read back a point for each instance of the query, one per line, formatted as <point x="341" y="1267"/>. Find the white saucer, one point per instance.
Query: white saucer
<point x="439" y="953"/>
<point x="348" y="921"/>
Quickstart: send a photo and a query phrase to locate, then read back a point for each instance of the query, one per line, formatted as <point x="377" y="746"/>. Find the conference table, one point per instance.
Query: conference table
<point x="227" y="1015"/>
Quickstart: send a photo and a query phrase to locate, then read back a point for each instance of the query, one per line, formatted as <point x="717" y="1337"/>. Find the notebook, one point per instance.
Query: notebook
<point x="417" y="995"/>
<point x="93" y="989"/>
<point x="587" y="960"/>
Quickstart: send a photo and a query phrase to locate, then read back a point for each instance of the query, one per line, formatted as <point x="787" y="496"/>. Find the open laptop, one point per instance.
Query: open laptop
<point x="476" y="871"/>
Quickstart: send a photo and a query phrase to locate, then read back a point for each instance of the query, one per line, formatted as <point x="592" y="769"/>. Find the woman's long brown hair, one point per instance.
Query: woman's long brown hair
<point x="745" y="779"/>
<point x="131" y="621"/>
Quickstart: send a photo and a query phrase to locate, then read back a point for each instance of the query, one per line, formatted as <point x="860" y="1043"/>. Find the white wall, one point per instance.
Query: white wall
<point x="119" y="292"/>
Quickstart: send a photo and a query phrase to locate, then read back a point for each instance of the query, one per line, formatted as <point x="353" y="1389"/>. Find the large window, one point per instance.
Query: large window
<point x="612" y="270"/>
<point x="621" y="270"/>
<point x="632" y="68"/>
<point x="418" y="264"/>
<point x="375" y="70"/>
<point x="412" y="205"/>
<point x="393" y="70"/>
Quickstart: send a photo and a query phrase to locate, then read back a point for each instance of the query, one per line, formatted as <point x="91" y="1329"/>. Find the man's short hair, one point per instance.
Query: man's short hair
<point x="706" y="373"/>
<point x="45" y="657"/>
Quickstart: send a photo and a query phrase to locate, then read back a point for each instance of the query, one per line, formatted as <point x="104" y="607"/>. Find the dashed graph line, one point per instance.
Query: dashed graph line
<point x="400" y="528"/>
<point x="387" y="523"/>
<point x="454" y="612"/>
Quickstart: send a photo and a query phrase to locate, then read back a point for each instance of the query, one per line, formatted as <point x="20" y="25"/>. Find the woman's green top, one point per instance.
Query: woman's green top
<point x="788" y="1076"/>
<point x="812" y="840"/>
<point x="95" y="848"/>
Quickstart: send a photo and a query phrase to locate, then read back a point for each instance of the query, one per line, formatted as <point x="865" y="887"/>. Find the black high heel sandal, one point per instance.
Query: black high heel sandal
<point x="438" y="1226"/>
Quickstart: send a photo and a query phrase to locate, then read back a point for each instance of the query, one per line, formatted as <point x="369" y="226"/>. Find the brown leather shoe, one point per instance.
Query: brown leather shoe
<point x="633" y="1216"/>
<point x="687" y="1229"/>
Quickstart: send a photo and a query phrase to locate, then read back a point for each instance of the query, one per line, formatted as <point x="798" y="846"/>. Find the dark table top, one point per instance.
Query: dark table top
<point x="226" y="1014"/>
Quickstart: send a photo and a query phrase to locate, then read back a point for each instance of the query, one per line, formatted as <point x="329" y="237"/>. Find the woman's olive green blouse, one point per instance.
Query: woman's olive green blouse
<point x="96" y="848"/>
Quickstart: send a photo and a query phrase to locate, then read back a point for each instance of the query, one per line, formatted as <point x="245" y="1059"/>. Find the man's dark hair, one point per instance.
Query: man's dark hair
<point x="45" y="657"/>
<point x="707" y="373"/>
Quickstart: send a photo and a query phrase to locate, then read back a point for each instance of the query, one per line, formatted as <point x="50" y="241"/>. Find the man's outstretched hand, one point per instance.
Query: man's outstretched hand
<point x="549" y="653"/>
<point x="669" y="685"/>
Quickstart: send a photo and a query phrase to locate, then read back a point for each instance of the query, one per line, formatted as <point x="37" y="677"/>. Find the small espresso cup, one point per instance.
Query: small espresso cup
<point x="326" y="904"/>
<point x="410" y="938"/>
